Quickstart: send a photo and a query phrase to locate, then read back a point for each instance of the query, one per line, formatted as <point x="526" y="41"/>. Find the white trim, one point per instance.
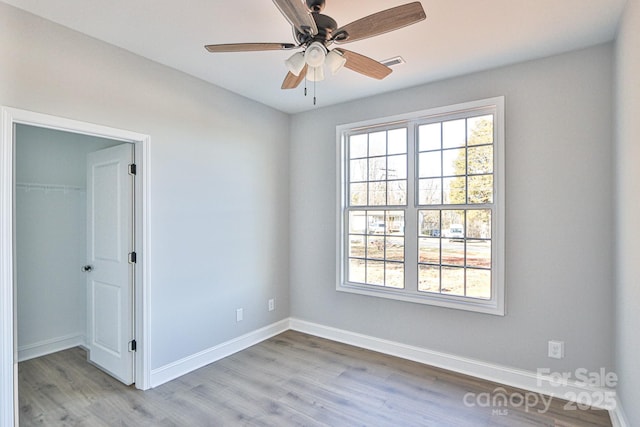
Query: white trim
<point x="8" y="352"/>
<point x="7" y="406"/>
<point x="143" y="279"/>
<point x="191" y="363"/>
<point x="513" y="377"/>
<point x="49" y="346"/>
<point x="494" y="306"/>
<point x="618" y="417"/>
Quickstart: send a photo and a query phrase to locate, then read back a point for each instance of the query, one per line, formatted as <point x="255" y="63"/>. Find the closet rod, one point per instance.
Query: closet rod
<point x="29" y="186"/>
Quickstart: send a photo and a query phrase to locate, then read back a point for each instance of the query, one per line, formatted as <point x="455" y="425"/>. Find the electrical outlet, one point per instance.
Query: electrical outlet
<point x="556" y="349"/>
<point x="272" y="304"/>
<point x="239" y="315"/>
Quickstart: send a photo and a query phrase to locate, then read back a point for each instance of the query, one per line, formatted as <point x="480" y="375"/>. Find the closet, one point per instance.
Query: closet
<point x="50" y="220"/>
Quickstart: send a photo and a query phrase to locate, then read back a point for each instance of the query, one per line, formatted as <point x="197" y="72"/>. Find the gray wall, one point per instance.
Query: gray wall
<point x="218" y="185"/>
<point x="51" y="236"/>
<point x="559" y="274"/>
<point x="628" y="211"/>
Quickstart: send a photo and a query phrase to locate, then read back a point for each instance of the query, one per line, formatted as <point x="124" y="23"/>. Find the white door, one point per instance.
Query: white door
<point x="110" y="273"/>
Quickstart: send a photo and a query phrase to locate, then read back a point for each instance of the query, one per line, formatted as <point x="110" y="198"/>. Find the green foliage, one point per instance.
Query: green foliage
<point x="476" y="159"/>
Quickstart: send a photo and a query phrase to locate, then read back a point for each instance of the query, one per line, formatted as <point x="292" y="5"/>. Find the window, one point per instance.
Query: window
<point x="421" y="207"/>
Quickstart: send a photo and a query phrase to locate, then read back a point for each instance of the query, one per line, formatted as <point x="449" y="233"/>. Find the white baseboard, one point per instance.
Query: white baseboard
<point x="184" y="366"/>
<point x="42" y="348"/>
<point x="618" y="417"/>
<point x="526" y="380"/>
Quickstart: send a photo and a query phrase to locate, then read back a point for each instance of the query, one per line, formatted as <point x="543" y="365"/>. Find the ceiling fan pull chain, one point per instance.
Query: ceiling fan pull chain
<point x="314" y="87"/>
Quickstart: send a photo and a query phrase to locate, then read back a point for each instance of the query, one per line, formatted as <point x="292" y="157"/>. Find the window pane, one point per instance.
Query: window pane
<point x="395" y="222"/>
<point x="430" y="191"/>
<point x="397" y="167"/>
<point x="375" y="247"/>
<point x="375" y="273"/>
<point x="358" y="170"/>
<point x="394" y="272"/>
<point x="481" y="189"/>
<point x="480" y="159"/>
<point x="378" y="169"/>
<point x="397" y="191"/>
<point x="453" y="281"/>
<point x="357" y="270"/>
<point x="479" y="224"/>
<point x="397" y="141"/>
<point x="429" y="250"/>
<point x="454" y="191"/>
<point x="429" y="137"/>
<point x="429" y="223"/>
<point x="429" y="164"/>
<point x="395" y="248"/>
<point x="453" y="252"/>
<point x="377" y="144"/>
<point x="358" y="194"/>
<point x="429" y="278"/>
<point x="453" y="224"/>
<point x="377" y="193"/>
<point x="480" y="130"/>
<point x="357" y="222"/>
<point x="375" y="222"/>
<point x="454" y="162"/>
<point x="454" y="134"/>
<point x="479" y="283"/>
<point x="357" y="246"/>
<point x="479" y="253"/>
<point x="358" y="146"/>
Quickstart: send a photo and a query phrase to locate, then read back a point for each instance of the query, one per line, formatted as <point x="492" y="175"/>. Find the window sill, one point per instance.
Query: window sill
<point x="493" y="307"/>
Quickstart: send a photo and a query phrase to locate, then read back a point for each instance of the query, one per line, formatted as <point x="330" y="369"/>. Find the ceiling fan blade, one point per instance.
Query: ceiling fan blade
<point x="380" y="23"/>
<point x="291" y="81"/>
<point x="364" y="65"/>
<point x="248" y="47"/>
<point x="298" y="16"/>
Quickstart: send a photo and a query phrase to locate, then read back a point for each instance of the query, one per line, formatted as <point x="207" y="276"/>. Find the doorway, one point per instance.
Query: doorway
<point x="73" y="231"/>
<point x="13" y="119"/>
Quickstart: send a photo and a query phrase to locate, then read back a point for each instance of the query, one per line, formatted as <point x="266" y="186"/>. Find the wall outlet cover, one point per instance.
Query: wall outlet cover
<point x="556" y="349"/>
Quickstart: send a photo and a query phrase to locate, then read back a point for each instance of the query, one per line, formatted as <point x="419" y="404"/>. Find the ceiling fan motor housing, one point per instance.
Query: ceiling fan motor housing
<point x="326" y="27"/>
<point x="316" y="5"/>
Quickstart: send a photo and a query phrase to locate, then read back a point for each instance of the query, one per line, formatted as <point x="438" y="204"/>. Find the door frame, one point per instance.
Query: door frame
<point x="9" y="117"/>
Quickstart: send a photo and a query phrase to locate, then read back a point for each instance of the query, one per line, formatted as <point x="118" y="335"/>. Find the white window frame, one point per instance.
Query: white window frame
<point x="496" y="304"/>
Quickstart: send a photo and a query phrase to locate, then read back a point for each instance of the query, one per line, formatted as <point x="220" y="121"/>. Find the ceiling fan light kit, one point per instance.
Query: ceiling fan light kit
<point x="315" y="74"/>
<point x="295" y="63"/>
<point x="335" y="61"/>
<point x="316" y="57"/>
<point x="314" y="33"/>
<point x="315" y="54"/>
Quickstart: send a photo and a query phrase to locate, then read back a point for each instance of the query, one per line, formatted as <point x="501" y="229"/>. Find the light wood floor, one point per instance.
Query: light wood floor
<point x="292" y="379"/>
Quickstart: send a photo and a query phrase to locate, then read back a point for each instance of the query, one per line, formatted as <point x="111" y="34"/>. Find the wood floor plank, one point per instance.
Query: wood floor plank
<point x="292" y="379"/>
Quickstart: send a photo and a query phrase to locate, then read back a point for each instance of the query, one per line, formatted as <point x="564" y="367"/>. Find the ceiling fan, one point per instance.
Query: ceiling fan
<point x="315" y="32"/>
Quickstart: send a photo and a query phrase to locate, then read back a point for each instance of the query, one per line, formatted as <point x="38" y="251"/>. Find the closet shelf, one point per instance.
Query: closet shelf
<point x="47" y="188"/>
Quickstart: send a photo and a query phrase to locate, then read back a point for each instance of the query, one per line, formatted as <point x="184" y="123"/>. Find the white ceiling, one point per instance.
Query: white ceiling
<point x="458" y="37"/>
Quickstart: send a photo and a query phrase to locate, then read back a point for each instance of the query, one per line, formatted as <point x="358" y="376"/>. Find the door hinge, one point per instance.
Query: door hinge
<point x="133" y="257"/>
<point x="132" y="345"/>
<point x="133" y="169"/>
